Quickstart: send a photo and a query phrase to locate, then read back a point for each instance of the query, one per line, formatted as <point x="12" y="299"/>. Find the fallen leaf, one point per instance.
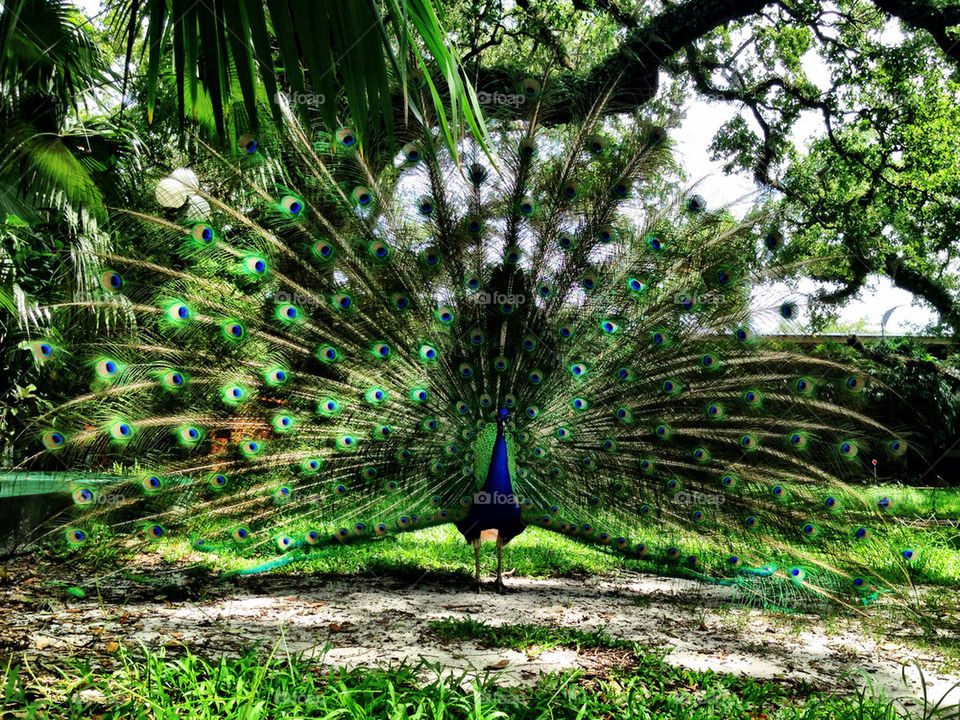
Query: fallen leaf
<point x="112" y="646"/>
<point x="498" y="665"/>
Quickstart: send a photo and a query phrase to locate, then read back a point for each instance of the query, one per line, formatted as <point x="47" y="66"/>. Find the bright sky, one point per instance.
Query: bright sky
<point x="692" y="142"/>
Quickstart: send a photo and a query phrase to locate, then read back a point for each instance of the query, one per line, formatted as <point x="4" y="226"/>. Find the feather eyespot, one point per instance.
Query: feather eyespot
<point x="111" y="281"/>
<point x="430" y="257"/>
<point x="425" y="205"/>
<point x="477" y="173"/>
<point x="292" y="205"/>
<point x="696" y="204"/>
<point x="362" y="196"/>
<point x="241" y="534"/>
<point x="789" y="310"/>
<point x="379" y="250"/>
<point x="323" y="250"/>
<point x="848" y="449"/>
<point x="248" y="144"/>
<point x="596" y="144"/>
<point x="178" y="312"/>
<point x="346" y="137"/>
<point x="202" y="233"/>
<point x="121" y="431"/>
<point x="530" y="88"/>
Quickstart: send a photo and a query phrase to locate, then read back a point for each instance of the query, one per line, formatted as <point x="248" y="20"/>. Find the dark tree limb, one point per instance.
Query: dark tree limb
<point x="921" y="285"/>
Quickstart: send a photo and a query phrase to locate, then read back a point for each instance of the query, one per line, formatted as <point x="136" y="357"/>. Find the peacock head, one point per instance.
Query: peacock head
<point x="502" y="415"/>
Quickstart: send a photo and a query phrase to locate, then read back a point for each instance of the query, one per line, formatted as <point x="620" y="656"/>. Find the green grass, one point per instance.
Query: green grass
<point x="539" y="553"/>
<point x="634" y="682"/>
<point x="261" y="685"/>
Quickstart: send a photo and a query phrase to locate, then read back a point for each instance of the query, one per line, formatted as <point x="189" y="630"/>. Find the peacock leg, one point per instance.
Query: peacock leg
<point x="501" y="588"/>
<point x="476" y="558"/>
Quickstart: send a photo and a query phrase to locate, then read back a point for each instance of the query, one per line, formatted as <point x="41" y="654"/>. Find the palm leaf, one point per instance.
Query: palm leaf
<point x="321" y="48"/>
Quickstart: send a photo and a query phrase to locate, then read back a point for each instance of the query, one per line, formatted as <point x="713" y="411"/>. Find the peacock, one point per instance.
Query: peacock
<point x="315" y="338"/>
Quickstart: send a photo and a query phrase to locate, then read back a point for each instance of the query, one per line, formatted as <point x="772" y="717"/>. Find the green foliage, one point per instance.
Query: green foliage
<point x="337" y="56"/>
<point x="49" y="63"/>
<point x="153" y="685"/>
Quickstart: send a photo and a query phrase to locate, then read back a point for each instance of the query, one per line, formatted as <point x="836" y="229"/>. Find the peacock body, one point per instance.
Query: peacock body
<point x="332" y="346"/>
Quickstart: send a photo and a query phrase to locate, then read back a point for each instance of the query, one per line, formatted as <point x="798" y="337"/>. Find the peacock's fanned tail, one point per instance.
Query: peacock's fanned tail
<point x="313" y="353"/>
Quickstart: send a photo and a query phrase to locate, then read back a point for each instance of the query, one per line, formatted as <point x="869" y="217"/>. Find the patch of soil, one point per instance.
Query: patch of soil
<point x="378" y="619"/>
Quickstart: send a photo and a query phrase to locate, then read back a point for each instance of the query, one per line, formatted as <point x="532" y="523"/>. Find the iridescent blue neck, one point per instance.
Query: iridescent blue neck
<point x="498" y="475"/>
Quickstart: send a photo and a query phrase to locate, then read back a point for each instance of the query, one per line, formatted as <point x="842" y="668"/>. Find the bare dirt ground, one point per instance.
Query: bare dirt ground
<point x="368" y="620"/>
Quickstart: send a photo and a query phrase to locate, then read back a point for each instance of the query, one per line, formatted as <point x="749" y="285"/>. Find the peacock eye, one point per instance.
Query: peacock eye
<point x="425" y="206"/>
<point x="203" y="234"/>
<point x="570" y="189"/>
<point x="477" y="174"/>
<point x="789" y="310"/>
<point x="530" y="88"/>
<point x="346" y="137"/>
<point x="362" y="196"/>
<point x="596" y="144"/>
<point x="323" y="250"/>
<point x="696" y="204"/>
<point x="292" y="205"/>
<point x="111" y="281"/>
<point x="248" y="144"/>
<point x="255" y="265"/>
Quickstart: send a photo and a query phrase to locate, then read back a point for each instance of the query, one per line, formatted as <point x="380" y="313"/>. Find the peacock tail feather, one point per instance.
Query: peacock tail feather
<point x="314" y="353"/>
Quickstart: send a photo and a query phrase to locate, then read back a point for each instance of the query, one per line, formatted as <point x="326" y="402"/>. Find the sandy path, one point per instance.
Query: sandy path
<point x="370" y="620"/>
